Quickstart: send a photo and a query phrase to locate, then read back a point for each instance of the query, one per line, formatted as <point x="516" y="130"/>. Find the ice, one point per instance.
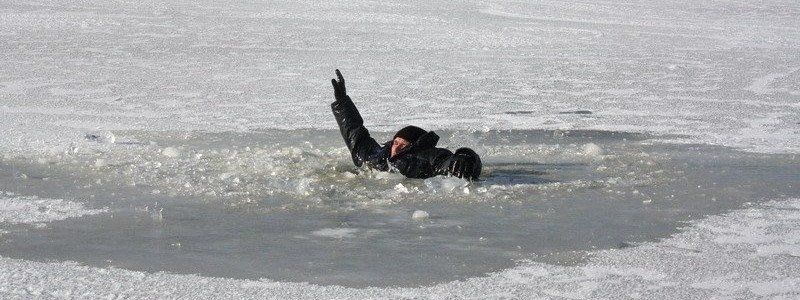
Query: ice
<point x="338" y="233"/>
<point x="171" y="152"/>
<point x="99" y="163"/>
<point x="653" y="270"/>
<point x="592" y="150"/>
<point x="445" y="184"/>
<point x="16" y="209"/>
<point x="400" y="188"/>
<point x="420" y="215"/>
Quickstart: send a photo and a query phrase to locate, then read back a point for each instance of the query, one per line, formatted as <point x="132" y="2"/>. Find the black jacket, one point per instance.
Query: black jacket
<point x="419" y="160"/>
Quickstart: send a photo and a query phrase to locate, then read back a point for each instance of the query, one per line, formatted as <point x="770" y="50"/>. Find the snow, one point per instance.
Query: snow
<point x="16" y="209"/>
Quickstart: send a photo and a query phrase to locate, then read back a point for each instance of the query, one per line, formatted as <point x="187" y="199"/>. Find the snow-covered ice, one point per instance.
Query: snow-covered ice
<point x="718" y="72"/>
<point x="16" y="209"/>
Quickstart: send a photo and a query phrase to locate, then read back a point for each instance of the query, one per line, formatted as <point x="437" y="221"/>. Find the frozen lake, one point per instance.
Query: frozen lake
<point x="634" y="149"/>
<point x="289" y="206"/>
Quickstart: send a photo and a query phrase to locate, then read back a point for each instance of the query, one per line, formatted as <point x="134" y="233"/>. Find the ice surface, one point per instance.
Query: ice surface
<point x="723" y="73"/>
<point x="288" y="205"/>
<point x="16" y="209"/>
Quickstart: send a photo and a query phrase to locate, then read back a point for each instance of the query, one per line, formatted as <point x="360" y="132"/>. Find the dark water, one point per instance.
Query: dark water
<point x="288" y="206"/>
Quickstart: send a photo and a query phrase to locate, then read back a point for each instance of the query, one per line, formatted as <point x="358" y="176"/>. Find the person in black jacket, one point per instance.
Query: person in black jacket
<point x="412" y="151"/>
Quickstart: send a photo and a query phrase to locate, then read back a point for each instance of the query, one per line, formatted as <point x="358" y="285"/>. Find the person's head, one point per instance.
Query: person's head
<point x="405" y="137"/>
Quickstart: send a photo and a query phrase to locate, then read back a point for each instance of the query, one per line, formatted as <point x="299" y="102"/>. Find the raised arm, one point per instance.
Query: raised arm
<point x="355" y="135"/>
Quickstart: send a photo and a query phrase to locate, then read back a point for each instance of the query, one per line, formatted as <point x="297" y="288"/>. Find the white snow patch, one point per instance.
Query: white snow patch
<point x="31" y="210"/>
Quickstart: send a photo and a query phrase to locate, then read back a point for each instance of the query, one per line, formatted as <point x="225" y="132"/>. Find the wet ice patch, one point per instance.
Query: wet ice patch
<point x="243" y="167"/>
<point x="31" y="210"/>
<point x="692" y="264"/>
<point x="536" y="185"/>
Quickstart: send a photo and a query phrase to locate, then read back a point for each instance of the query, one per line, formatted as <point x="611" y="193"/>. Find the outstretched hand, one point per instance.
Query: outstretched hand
<point x="339" y="90"/>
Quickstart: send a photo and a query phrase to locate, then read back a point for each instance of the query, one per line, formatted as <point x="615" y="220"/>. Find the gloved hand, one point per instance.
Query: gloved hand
<point x="339" y="90"/>
<point x="465" y="163"/>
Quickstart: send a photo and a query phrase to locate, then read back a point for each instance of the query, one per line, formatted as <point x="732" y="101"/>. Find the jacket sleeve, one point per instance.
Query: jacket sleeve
<point x="355" y="135"/>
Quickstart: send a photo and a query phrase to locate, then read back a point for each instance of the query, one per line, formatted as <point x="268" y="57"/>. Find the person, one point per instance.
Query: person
<point x="412" y="151"/>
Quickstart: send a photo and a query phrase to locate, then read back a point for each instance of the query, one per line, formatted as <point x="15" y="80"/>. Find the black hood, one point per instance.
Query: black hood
<point x="426" y="141"/>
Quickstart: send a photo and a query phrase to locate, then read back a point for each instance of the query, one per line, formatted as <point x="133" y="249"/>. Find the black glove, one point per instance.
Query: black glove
<point x="338" y="87"/>
<point x="465" y="163"/>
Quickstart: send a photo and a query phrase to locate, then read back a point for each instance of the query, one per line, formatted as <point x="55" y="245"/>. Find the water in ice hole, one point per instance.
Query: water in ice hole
<point x="289" y="205"/>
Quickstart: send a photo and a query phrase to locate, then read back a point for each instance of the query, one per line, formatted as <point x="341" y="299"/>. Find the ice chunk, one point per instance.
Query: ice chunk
<point x="171" y="152"/>
<point x="592" y="150"/>
<point x="420" y="215"/>
<point x="99" y="163"/>
<point x="338" y="233"/>
<point x="400" y="188"/>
